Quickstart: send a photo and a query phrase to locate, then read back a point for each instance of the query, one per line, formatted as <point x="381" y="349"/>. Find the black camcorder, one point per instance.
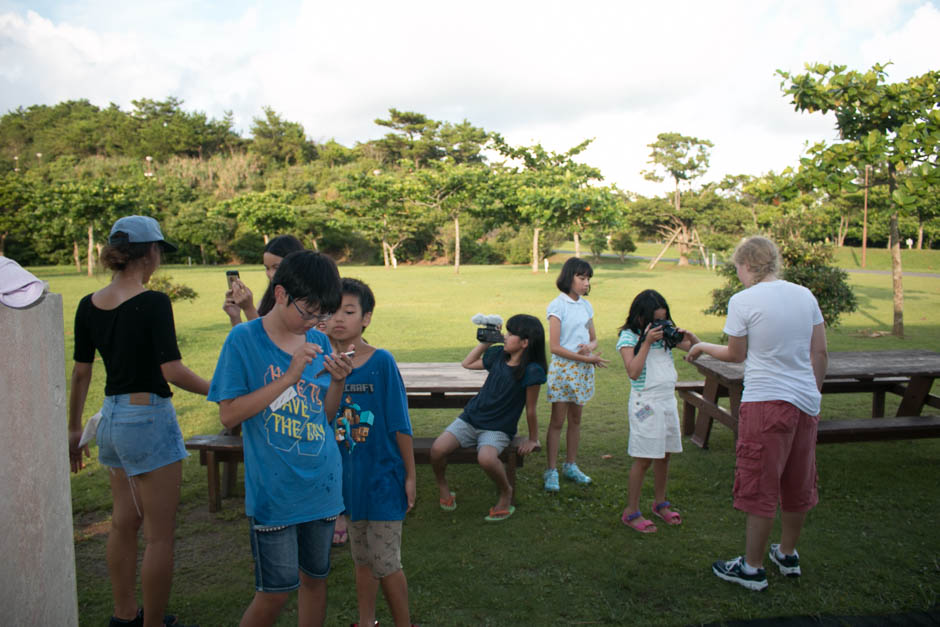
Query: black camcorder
<point x="490" y="330"/>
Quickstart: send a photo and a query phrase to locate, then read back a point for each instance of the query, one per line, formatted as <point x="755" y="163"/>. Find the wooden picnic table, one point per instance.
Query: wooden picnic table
<point x="440" y="385"/>
<point x="909" y="373"/>
<point x="428" y="385"/>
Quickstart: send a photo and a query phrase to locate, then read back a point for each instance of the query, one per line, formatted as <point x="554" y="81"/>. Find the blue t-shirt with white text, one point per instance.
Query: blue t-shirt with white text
<point x="293" y="472"/>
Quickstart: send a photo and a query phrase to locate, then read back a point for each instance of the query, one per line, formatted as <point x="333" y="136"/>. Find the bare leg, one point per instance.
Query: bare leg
<point x="264" y="609"/>
<point x="493" y="467"/>
<point x="159" y="492"/>
<point x="553" y="437"/>
<point x="660" y="476"/>
<point x="339" y="528"/>
<point x="395" y="589"/>
<point x="367" y="587"/>
<point x="791" y="527"/>
<point x="757" y="534"/>
<point x="311" y="601"/>
<point x="445" y="444"/>
<point x="573" y="434"/>
<point x="122" y="546"/>
<point x="637" y="473"/>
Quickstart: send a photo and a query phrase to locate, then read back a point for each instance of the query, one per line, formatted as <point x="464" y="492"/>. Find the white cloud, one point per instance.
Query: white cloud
<point x="544" y="72"/>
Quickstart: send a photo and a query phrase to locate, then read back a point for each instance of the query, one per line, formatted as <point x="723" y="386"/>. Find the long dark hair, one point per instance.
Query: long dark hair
<point x="528" y="328"/>
<point x="282" y="245"/>
<point x="642" y="310"/>
<point x="574" y="266"/>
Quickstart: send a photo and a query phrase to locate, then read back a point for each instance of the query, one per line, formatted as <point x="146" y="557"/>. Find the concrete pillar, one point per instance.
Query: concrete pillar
<point x="37" y="552"/>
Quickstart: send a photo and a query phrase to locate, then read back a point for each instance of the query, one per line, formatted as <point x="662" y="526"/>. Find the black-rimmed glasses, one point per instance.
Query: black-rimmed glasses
<point x="310" y="316"/>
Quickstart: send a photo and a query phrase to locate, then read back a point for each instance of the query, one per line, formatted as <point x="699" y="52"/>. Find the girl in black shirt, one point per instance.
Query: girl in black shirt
<point x="138" y="436"/>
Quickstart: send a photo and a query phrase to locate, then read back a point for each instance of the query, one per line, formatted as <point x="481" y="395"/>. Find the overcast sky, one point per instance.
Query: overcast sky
<point x="550" y="72"/>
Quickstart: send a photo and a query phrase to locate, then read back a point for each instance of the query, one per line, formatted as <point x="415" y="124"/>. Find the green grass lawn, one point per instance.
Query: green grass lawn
<point x="870" y="547"/>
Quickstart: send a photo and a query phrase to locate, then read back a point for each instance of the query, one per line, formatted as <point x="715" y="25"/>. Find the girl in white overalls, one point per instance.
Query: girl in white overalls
<point x="654" y="416"/>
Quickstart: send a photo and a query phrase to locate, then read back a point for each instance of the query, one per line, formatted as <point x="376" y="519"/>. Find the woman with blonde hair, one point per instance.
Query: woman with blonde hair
<point x="776" y="328"/>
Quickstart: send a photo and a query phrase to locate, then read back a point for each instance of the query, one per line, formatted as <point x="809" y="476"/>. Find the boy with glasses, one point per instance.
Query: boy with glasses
<point x="278" y="378"/>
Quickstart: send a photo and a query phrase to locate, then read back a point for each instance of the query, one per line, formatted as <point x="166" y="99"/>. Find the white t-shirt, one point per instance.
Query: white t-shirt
<point x="574" y="316"/>
<point x="778" y="319"/>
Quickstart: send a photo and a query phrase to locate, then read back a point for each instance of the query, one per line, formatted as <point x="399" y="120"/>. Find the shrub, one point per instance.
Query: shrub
<point x="622" y="243"/>
<point x="597" y="242"/>
<point x="805" y="264"/>
<point x="176" y="291"/>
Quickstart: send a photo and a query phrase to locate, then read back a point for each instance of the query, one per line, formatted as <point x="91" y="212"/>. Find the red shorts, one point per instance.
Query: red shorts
<point x="776" y="459"/>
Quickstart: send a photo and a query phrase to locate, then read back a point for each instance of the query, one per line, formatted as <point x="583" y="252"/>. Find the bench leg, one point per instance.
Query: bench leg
<point x="703" y="424"/>
<point x="229" y="478"/>
<point x="916" y="395"/>
<point x="212" y="470"/>
<point x="878" y="404"/>
<point x="688" y="418"/>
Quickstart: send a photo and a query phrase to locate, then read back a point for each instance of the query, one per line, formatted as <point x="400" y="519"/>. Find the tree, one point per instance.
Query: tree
<point x="194" y="226"/>
<point x="414" y="139"/>
<point x="15" y="193"/>
<point x="280" y="141"/>
<point x="449" y="189"/>
<point x="683" y="159"/>
<point x="381" y="203"/>
<point x="265" y="213"/>
<point x="893" y="126"/>
<point x="548" y="189"/>
<point x="622" y="243"/>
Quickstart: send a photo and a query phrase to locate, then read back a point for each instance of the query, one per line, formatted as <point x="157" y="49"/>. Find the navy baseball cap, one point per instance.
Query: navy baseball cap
<point x="139" y="230"/>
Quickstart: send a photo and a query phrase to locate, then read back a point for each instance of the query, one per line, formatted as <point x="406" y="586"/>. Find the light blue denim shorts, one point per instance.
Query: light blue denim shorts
<point x="467" y="435"/>
<point x="282" y="551"/>
<point x="139" y="436"/>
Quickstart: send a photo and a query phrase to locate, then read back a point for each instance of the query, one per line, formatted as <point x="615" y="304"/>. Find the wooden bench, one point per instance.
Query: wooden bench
<point x="693" y="400"/>
<point x="870" y="429"/>
<point x="214" y="450"/>
<point x="225" y="448"/>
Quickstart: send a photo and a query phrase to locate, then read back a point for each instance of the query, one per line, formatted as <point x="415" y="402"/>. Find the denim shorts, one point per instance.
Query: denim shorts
<point x="467" y="435"/>
<point x="139" y="433"/>
<point x="281" y="551"/>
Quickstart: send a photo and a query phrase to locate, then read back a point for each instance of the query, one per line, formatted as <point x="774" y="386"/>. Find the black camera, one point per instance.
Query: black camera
<point x="490" y="330"/>
<point x="671" y="335"/>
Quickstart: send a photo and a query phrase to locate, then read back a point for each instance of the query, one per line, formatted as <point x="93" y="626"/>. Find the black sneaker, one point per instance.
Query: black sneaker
<point x="137" y="621"/>
<point x="789" y="565"/>
<point x="732" y="571"/>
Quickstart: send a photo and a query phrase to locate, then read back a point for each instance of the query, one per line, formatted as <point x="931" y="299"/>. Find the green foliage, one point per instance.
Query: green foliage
<point x="622" y="243"/>
<point x="805" y="264"/>
<point x="597" y="243"/>
<point x="176" y="291"/>
<point x="280" y="141"/>
<point x="683" y="158"/>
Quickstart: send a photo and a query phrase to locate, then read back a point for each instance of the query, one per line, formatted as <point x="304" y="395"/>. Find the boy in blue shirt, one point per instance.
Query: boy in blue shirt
<point x="374" y="433"/>
<point x="278" y="378"/>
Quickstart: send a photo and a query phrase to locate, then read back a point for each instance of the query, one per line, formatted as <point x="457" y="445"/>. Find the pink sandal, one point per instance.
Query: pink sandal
<point x="672" y="518"/>
<point x="646" y="526"/>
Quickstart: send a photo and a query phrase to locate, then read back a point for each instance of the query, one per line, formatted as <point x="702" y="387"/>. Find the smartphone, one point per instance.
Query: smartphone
<point x="347" y="353"/>
<point x="230" y="276"/>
